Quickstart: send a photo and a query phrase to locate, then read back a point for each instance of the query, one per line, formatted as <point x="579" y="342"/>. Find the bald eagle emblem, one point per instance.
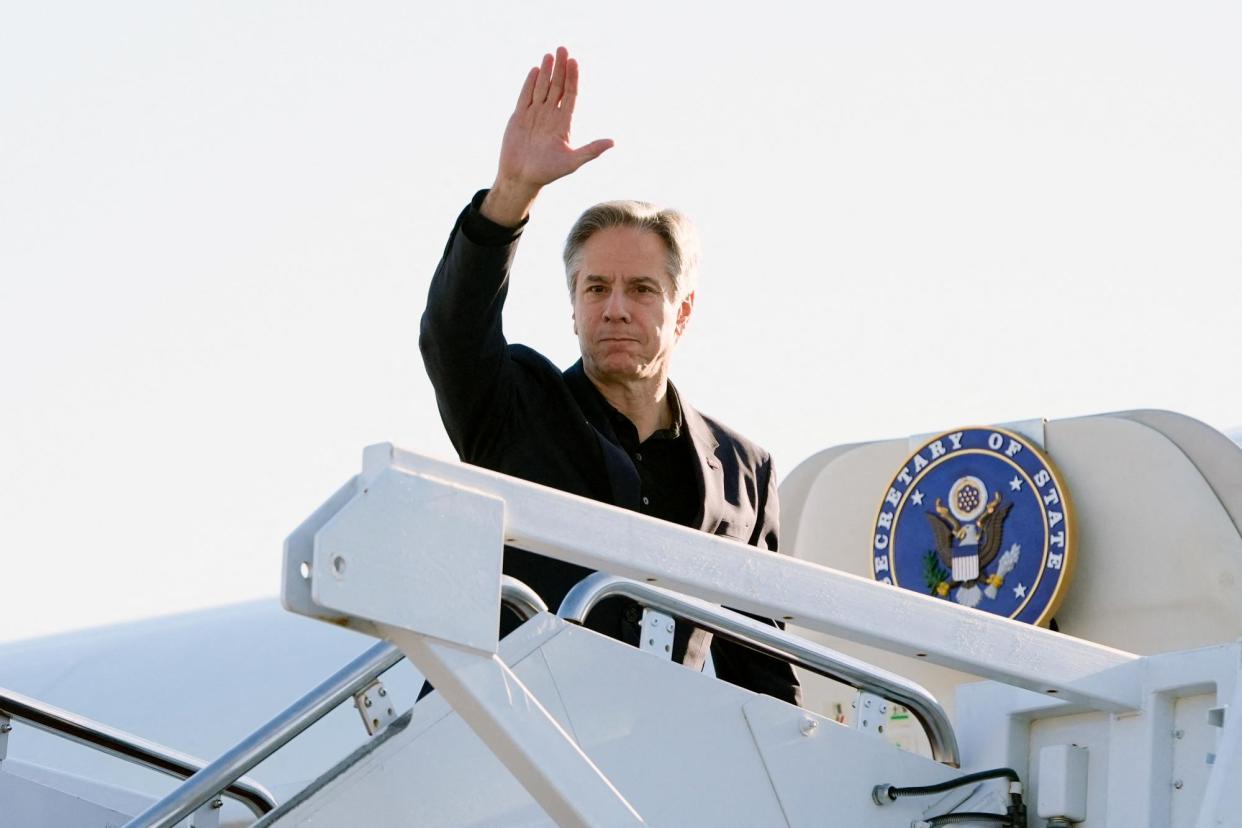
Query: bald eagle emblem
<point x="979" y="517"/>
<point x="968" y="535"/>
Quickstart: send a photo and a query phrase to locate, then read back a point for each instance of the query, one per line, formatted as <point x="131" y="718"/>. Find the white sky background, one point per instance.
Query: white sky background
<point x="218" y="221"/>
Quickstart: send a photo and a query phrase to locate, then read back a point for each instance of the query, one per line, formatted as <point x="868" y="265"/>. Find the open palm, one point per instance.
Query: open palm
<point x="536" y="149"/>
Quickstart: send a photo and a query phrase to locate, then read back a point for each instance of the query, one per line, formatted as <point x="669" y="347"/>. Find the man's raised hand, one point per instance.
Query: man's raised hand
<point x="536" y="149"/>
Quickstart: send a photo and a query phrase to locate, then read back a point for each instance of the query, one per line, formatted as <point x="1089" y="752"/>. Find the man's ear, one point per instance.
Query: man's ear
<point x="683" y="312"/>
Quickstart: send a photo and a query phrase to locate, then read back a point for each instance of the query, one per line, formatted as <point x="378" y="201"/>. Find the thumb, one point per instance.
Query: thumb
<point x="591" y="151"/>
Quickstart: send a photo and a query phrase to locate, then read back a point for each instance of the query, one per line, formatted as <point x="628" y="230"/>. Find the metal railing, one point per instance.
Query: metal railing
<point x="520" y="598"/>
<point x="774" y="642"/>
<point x="127" y="746"/>
<point x="225" y="775"/>
<point x="300" y="715"/>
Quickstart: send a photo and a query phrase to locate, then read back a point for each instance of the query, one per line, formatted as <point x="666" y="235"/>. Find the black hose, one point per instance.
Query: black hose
<point x="969" y="816"/>
<point x="925" y="790"/>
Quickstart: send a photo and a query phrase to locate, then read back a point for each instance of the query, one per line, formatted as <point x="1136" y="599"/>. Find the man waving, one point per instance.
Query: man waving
<point x="612" y="427"/>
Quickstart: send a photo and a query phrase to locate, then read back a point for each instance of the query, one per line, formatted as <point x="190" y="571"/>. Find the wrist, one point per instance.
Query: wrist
<point x="508" y="203"/>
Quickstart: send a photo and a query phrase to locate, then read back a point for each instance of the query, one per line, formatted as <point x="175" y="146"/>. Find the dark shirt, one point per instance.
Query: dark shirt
<point x="663" y="461"/>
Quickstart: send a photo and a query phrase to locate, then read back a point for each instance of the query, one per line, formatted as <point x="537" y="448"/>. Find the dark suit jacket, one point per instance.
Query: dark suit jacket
<point x="507" y="408"/>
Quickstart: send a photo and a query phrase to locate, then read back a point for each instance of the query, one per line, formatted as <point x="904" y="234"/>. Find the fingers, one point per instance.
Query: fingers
<point x="571" y="87"/>
<point x="528" y="88"/>
<point x="543" y="80"/>
<point x="591" y="151"/>
<point x="557" y="86"/>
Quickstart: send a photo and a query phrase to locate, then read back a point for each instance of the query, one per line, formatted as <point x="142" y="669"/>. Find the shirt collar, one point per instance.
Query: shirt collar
<point x="619" y="420"/>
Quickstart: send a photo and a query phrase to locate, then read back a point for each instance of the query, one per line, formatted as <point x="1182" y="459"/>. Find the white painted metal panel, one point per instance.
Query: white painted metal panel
<point x="824" y="775"/>
<point x="1194" y="744"/>
<point x="415" y="553"/>
<point x="520" y="732"/>
<point x="1222" y="801"/>
<point x="674" y="741"/>
<point x="33" y="796"/>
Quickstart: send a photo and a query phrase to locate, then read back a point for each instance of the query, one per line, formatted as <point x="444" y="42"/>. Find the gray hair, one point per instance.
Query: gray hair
<point x="674" y="228"/>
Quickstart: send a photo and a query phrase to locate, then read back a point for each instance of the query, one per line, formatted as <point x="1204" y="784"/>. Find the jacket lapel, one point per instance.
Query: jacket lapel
<point x="707" y="468"/>
<point x="711" y="495"/>
<point x="622" y="476"/>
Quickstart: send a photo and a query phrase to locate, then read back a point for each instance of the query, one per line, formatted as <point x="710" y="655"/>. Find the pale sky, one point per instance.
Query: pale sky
<point x="218" y="222"/>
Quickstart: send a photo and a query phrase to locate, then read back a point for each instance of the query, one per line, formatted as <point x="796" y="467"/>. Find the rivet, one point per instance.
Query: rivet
<point x="217" y="803"/>
<point x="670" y="626"/>
<point x="1177" y="783"/>
<point x="808" y="726"/>
<point x="1179" y="734"/>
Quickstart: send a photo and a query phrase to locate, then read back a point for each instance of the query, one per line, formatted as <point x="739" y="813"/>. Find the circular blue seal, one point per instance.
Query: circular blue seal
<point x="980" y="517"/>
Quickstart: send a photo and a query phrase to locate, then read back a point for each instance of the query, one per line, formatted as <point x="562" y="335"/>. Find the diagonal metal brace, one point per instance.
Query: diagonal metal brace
<point x="509" y="719"/>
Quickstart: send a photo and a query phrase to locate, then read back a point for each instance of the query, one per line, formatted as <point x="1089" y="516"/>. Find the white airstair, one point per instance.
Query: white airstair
<point x="1130" y="716"/>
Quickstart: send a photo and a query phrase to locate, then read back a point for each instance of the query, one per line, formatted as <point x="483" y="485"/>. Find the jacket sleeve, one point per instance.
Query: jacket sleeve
<point x="461" y="337"/>
<point x="740" y="665"/>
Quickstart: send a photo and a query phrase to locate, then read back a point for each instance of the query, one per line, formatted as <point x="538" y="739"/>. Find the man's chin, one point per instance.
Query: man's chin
<point x="617" y="370"/>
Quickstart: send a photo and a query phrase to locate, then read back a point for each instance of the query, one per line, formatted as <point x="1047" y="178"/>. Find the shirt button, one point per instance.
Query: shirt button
<point x="638" y="455"/>
<point x="646" y="501"/>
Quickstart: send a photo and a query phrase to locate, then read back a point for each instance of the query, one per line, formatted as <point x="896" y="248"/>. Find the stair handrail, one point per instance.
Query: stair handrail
<point x="300" y="715"/>
<point x="226" y="774"/>
<point x="127" y="746"/>
<point x="773" y="641"/>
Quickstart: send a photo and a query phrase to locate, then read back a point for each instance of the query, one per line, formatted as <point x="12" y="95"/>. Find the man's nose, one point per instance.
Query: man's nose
<point x="616" y="309"/>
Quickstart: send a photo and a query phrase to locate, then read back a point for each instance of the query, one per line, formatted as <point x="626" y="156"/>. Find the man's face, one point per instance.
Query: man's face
<point x="625" y="313"/>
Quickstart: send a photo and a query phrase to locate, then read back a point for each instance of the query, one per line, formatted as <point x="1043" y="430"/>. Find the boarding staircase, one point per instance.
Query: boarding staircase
<point x="1107" y="723"/>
